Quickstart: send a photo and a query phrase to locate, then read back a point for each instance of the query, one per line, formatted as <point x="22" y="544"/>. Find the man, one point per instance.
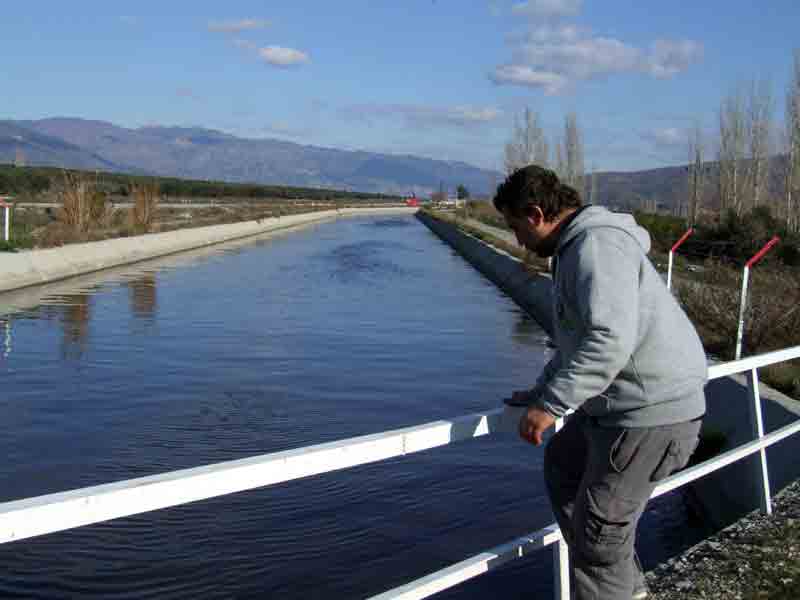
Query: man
<point x="629" y="363"/>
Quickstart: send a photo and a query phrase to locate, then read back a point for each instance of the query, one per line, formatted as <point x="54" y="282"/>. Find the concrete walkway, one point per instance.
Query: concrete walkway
<point x="24" y="269"/>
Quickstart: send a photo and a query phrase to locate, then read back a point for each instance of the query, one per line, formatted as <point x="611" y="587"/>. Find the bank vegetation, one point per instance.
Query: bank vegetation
<point x="708" y="279"/>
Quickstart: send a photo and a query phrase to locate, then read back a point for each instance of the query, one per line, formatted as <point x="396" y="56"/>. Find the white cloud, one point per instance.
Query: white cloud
<point x="548" y="8"/>
<point x="283" y="57"/>
<point x="551" y="83"/>
<point x="245" y="44"/>
<point x="665" y="137"/>
<point x="423" y="116"/>
<point x="284" y="129"/>
<point x="237" y="26"/>
<point x="554" y="57"/>
<point x="668" y="58"/>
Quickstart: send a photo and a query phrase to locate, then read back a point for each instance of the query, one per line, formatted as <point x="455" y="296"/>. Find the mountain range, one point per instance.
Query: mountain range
<point x="197" y="153"/>
<point x="205" y="154"/>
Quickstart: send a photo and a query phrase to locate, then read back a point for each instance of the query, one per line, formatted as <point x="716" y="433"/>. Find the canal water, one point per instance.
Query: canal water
<point x="346" y="328"/>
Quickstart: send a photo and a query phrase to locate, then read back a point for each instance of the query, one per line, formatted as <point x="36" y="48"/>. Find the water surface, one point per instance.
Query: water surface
<point x="346" y="328"/>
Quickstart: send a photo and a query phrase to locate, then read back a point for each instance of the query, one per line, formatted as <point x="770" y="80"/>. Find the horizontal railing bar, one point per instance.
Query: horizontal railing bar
<point x="726" y="458"/>
<point x="753" y="362"/>
<point x="473" y="566"/>
<point x="21" y="519"/>
<point x="491" y="559"/>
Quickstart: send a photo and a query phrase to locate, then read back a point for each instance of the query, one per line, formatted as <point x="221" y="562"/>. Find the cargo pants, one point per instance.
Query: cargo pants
<point x="599" y="480"/>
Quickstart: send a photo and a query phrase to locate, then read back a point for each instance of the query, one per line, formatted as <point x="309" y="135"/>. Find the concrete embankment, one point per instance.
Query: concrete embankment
<point x="723" y="496"/>
<point x="529" y="289"/>
<point x="37" y="267"/>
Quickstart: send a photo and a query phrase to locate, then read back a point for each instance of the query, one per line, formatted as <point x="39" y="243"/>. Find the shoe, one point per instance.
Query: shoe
<point x="640" y="593"/>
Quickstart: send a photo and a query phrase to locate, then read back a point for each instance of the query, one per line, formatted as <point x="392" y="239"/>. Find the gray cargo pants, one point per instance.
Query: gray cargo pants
<point x="599" y="480"/>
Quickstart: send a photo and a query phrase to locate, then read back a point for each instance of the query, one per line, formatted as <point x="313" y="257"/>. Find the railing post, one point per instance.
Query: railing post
<point x="757" y="424"/>
<point x="561" y="589"/>
<point x="745" y="277"/>
<point x="742" y="308"/>
<point x="4" y="203"/>
<point x="672" y="252"/>
<point x="561" y="570"/>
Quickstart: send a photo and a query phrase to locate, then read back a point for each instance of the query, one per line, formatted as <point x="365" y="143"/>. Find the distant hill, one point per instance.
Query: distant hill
<point x="197" y="153"/>
<point x="42" y="149"/>
<point x="204" y="154"/>
<point x="664" y="187"/>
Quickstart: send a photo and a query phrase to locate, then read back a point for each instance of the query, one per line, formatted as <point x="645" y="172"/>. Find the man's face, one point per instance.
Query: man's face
<point x="532" y="231"/>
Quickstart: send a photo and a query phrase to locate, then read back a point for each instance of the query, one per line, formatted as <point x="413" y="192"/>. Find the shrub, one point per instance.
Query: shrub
<point x="77" y="194"/>
<point x="145" y="203"/>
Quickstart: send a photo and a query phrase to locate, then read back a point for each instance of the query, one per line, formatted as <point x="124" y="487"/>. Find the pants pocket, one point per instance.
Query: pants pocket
<point x="625" y="448"/>
<point x="609" y="527"/>
<point x="675" y="457"/>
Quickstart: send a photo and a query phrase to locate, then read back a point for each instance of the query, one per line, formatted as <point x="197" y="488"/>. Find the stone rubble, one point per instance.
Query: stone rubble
<point x="757" y="557"/>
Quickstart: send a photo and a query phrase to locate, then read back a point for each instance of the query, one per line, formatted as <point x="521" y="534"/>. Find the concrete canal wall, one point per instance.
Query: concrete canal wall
<point x="24" y="269"/>
<point x="530" y="290"/>
<point x="723" y="496"/>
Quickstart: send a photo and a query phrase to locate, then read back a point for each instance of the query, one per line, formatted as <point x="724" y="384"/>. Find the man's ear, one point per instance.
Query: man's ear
<point x="534" y="214"/>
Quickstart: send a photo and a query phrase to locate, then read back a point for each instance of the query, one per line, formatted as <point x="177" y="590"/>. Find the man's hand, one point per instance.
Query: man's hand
<point x="533" y="423"/>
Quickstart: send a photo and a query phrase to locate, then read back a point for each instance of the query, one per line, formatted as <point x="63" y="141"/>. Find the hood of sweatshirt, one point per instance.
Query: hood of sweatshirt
<point x="590" y="217"/>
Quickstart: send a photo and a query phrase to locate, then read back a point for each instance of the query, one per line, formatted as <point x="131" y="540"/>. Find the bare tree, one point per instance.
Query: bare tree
<point x="561" y="165"/>
<point x="696" y="171"/>
<point x="528" y="144"/>
<point x="792" y="137"/>
<point x="593" y="199"/>
<point x="19" y="158"/>
<point x="573" y="150"/>
<point x="759" y="138"/>
<point x="731" y="151"/>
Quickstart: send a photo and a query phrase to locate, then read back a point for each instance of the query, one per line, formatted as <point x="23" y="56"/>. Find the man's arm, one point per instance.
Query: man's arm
<point x="528" y="397"/>
<point x="604" y="291"/>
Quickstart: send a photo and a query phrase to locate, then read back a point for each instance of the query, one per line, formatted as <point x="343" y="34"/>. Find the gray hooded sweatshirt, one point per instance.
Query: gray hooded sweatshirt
<point x="626" y="352"/>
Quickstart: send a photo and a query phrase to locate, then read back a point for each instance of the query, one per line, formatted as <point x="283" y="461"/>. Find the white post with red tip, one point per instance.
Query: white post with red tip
<point x="4" y="203"/>
<point x="745" y="279"/>
<point x="672" y="255"/>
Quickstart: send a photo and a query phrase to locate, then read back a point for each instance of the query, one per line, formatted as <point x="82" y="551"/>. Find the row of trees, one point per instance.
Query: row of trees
<point x="757" y="163"/>
<point x="529" y="145"/>
<point x="34" y="181"/>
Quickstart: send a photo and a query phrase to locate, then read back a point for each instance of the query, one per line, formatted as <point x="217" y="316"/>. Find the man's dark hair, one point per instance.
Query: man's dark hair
<point x="535" y="185"/>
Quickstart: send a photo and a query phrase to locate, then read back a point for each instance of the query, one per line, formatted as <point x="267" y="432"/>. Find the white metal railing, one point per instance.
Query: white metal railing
<point x="31" y="517"/>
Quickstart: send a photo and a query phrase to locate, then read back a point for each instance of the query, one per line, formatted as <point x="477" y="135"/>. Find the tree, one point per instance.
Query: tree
<point x="528" y="144"/>
<point x="696" y="172"/>
<point x="759" y="136"/>
<point x="462" y="193"/>
<point x="731" y="152"/>
<point x="573" y="151"/>
<point x="561" y="165"/>
<point x="19" y="158"/>
<point x="792" y="137"/>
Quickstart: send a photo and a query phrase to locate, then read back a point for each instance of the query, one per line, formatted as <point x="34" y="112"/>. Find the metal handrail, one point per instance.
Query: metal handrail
<point x="29" y="517"/>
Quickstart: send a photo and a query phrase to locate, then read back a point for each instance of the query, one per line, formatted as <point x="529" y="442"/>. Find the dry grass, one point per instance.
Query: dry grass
<point x="77" y="196"/>
<point x="145" y="203"/>
<point x="84" y="207"/>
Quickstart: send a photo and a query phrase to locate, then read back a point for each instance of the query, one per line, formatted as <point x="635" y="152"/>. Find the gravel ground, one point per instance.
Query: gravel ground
<point x="756" y="557"/>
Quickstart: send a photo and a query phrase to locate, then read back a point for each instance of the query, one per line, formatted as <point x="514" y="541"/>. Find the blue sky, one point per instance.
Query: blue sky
<point x="436" y="78"/>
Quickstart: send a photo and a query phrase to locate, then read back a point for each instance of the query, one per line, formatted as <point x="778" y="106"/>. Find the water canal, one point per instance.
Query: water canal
<point x="345" y="328"/>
